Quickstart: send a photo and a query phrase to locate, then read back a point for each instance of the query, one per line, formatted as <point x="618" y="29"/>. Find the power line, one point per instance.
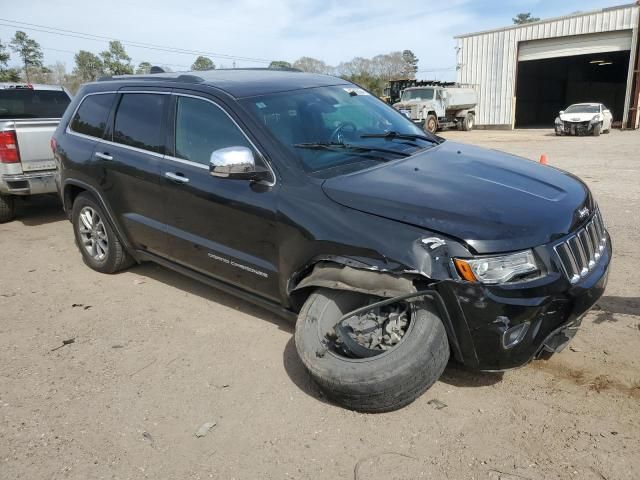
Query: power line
<point x="131" y="43"/>
<point x="133" y="59"/>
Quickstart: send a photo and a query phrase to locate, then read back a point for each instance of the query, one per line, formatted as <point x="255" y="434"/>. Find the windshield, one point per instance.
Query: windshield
<point x="418" y="94"/>
<point x="29" y="103"/>
<point x="583" y="109"/>
<point x="330" y="127"/>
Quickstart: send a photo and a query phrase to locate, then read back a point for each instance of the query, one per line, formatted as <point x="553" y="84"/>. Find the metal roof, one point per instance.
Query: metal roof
<point x="546" y="20"/>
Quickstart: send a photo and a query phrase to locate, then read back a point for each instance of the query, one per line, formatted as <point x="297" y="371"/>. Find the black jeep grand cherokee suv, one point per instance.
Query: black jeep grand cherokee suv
<point x="394" y="248"/>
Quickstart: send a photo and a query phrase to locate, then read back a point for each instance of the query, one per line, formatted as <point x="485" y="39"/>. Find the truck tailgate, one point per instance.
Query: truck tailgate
<point x="34" y="143"/>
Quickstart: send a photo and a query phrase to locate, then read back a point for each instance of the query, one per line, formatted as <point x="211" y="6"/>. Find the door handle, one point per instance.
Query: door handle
<point x="179" y="178"/>
<point x="103" y="156"/>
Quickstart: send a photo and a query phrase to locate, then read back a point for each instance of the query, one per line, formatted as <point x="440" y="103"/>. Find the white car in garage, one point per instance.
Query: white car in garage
<point x="584" y="119"/>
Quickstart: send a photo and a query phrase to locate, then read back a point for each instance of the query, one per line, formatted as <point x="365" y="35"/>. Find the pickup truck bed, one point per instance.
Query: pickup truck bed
<point x="29" y="115"/>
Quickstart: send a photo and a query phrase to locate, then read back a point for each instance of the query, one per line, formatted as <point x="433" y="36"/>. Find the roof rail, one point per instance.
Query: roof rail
<point x="185" y="78"/>
<point x="157" y="73"/>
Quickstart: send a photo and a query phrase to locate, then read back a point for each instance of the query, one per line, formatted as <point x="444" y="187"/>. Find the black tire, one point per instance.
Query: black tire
<point x="431" y="124"/>
<point x="377" y="384"/>
<point x="115" y="258"/>
<point x="597" y="130"/>
<point x="468" y="122"/>
<point x="7" y="208"/>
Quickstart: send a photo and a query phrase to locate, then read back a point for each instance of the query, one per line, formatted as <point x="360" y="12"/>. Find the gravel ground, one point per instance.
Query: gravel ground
<point x="156" y="355"/>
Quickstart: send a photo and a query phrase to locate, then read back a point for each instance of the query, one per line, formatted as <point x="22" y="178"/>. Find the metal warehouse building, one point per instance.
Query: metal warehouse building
<point x="525" y="74"/>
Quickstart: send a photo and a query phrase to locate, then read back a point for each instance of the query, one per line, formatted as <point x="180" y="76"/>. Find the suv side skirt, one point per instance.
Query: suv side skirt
<point x="220" y="285"/>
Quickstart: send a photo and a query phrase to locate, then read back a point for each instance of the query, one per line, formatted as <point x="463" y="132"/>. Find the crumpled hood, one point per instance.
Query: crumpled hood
<point x="577" y="117"/>
<point x="493" y="201"/>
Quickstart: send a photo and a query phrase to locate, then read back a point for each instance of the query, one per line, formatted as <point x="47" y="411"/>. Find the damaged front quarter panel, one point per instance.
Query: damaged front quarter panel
<point x="342" y="277"/>
<point x="426" y="264"/>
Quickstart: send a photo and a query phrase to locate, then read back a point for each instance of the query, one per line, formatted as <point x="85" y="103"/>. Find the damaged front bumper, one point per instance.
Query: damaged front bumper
<point x="506" y="326"/>
<point x="574" y="128"/>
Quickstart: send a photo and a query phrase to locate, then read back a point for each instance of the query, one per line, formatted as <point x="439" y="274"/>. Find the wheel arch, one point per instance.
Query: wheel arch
<point x="73" y="187"/>
<point x="337" y="274"/>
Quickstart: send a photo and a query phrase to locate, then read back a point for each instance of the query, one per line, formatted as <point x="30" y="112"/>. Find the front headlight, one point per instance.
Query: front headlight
<point x="500" y="269"/>
<point x="558" y="121"/>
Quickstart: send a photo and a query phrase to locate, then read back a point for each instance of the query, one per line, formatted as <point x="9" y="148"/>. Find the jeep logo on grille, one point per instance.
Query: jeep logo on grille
<point x="583" y="213"/>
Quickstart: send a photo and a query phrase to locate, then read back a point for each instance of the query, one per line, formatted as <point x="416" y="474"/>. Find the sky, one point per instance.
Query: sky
<point x="264" y="30"/>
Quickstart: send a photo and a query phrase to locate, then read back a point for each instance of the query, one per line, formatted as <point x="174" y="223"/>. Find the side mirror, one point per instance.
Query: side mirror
<point x="561" y="112"/>
<point x="235" y="163"/>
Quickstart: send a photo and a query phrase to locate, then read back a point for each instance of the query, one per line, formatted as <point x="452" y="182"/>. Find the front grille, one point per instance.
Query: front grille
<point x="580" y="253"/>
<point x="576" y="128"/>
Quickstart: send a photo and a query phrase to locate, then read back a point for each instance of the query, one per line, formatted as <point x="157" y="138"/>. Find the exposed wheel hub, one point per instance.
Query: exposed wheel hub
<point x="373" y="332"/>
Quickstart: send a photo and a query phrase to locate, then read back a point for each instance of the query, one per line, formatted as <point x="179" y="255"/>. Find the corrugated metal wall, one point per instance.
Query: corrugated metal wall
<point x="489" y="60"/>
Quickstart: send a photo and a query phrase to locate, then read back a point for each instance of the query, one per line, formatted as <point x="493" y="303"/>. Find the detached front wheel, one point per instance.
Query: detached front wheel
<point x="391" y="355"/>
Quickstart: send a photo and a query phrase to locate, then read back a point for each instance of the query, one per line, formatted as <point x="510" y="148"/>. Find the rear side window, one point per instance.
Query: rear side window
<point x="139" y="121"/>
<point x="202" y="128"/>
<point x="29" y="103"/>
<point x="91" y="117"/>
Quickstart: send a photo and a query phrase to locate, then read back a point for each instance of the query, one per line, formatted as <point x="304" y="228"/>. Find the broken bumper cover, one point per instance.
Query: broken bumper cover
<point x="574" y="128"/>
<point x="28" y="183"/>
<point x="543" y="316"/>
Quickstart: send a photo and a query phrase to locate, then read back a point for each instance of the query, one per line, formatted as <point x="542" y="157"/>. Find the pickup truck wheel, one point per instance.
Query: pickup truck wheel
<point x="7" y="208"/>
<point x="468" y="122"/>
<point x="405" y="367"/>
<point x="100" y="247"/>
<point x="431" y="124"/>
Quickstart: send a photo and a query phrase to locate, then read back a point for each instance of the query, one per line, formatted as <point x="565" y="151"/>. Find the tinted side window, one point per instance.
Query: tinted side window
<point x="91" y="117"/>
<point x="201" y="128"/>
<point x="139" y="121"/>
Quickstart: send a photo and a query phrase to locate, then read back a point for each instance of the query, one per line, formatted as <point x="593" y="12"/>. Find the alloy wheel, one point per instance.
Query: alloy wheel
<point x="93" y="234"/>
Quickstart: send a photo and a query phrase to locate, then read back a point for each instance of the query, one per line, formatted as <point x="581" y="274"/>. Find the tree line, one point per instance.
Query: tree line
<point x="88" y="66"/>
<point x="371" y="73"/>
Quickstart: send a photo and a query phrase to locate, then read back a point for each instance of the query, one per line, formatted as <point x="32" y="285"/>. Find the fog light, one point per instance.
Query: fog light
<point x="514" y="335"/>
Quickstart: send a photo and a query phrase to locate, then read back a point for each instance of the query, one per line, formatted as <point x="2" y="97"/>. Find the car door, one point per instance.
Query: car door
<point x="608" y="118"/>
<point x="225" y="228"/>
<point x="129" y="167"/>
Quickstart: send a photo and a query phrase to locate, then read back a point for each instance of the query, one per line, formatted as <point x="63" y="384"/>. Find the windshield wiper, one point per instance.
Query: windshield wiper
<point x="391" y="134"/>
<point x="347" y="146"/>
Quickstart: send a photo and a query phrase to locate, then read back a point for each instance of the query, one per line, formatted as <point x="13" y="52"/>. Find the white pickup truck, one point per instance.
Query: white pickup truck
<point x="29" y="114"/>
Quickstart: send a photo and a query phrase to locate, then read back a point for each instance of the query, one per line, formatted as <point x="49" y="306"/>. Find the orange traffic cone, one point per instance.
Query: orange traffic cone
<point x="543" y="159"/>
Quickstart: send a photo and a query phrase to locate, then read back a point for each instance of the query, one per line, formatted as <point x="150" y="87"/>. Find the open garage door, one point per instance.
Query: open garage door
<point x="557" y="72"/>
<point x="575" y="45"/>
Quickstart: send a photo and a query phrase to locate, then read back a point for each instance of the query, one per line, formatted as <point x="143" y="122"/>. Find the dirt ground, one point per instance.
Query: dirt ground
<point x="157" y="355"/>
